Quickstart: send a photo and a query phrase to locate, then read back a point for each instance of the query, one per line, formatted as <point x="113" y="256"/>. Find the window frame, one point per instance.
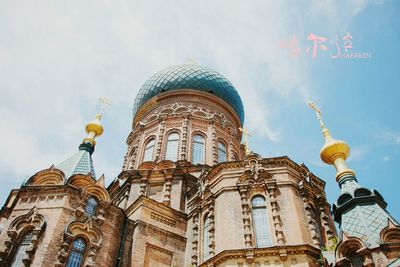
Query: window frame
<point x="74" y="250"/>
<point x="220" y="142"/>
<point x="167" y="140"/>
<point x="263" y="211"/>
<point x="206" y="223"/>
<point x="150" y="139"/>
<point x="93" y="213"/>
<point x="20" y="250"/>
<point x="193" y="142"/>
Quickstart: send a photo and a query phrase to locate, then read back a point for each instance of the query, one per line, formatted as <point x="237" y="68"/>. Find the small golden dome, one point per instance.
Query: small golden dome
<point x="95" y="126"/>
<point x="334" y="149"/>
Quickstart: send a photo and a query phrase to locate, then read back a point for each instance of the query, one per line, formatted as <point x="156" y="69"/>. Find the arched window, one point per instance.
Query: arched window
<point x="171" y="152"/>
<point x="75" y="258"/>
<point x="260" y="222"/>
<point x="90" y="208"/>
<point x="149" y="150"/>
<point x="355" y="259"/>
<point x="316" y="219"/>
<point x="20" y="253"/>
<point x="198" y="149"/>
<point x="222" y="156"/>
<point x="206" y="237"/>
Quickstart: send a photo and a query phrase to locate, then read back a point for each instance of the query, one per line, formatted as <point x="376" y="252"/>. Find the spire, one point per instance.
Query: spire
<point x="334" y="152"/>
<point x="94" y="127"/>
<point x="81" y="162"/>
<point x="359" y="211"/>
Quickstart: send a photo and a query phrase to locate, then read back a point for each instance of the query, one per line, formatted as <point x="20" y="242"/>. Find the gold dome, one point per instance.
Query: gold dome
<point x="334" y="152"/>
<point x="334" y="149"/>
<point x="95" y="126"/>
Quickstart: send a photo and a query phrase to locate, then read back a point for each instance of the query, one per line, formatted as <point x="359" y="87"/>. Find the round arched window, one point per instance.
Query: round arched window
<point x="198" y="149"/>
<point x="260" y="222"/>
<point x="171" y="152"/>
<point x="149" y="150"/>
<point x="222" y="155"/>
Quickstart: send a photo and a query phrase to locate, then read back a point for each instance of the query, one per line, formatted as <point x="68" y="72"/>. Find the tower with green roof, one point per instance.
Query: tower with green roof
<point x="369" y="235"/>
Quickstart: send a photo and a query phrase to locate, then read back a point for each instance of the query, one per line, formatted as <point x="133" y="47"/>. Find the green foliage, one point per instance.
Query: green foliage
<point x="334" y="243"/>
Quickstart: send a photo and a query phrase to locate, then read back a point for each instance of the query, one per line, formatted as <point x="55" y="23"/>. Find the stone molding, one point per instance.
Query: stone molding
<point x="33" y="222"/>
<point x="50" y="176"/>
<point x="251" y="254"/>
<point x="91" y="234"/>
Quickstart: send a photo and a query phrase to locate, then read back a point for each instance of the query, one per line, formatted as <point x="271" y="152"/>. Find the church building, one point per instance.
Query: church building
<point x="190" y="193"/>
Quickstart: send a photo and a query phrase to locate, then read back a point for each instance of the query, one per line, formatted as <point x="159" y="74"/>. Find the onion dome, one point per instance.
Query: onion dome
<point x="95" y="126"/>
<point x="190" y="76"/>
<point x="334" y="152"/>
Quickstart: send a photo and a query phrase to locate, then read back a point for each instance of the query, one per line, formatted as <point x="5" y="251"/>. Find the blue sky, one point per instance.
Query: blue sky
<point x="57" y="58"/>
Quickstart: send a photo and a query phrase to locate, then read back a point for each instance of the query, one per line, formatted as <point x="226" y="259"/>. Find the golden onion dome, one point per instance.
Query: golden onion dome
<point x="95" y="126"/>
<point x="334" y="152"/>
<point x="334" y="149"/>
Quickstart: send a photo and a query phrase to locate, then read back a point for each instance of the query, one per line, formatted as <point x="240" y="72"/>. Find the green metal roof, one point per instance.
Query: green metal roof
<point x="79" y="163"/>
<point x="361" y="212"/>
<point x="365" y="222"/>
<point x="190" y="76"/>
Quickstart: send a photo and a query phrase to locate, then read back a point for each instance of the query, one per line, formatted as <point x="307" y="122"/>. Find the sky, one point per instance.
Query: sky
<point x="58" y="57"/>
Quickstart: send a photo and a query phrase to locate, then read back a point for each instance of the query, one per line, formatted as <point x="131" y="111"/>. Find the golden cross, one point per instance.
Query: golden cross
<point x="313" y="106"/>
<point x="246" y="133"/>
<point x="104" y="101"/>
<point x="318" y="112"/>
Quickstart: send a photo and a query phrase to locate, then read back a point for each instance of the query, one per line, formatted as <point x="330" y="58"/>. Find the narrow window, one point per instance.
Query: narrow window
<point x="317" y="222"/>
<point x="198" y="149"/>
<point x="90" y="208"/>
<point x="221" y="152"/>
<point x="356" y="260"/>
<point x="20" y="253"/>
<point x="206" y="237"/>
<point x="75" y="258"/>
<point x="149" y="150"/>
<point x="171" y="152"/>
<point x="260" y="222"/>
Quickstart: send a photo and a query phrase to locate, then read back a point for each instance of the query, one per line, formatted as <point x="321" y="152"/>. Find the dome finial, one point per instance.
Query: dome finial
<point x="94" y="128"/>
<point x="334" y="152"/>
<point x="246" y="133"/>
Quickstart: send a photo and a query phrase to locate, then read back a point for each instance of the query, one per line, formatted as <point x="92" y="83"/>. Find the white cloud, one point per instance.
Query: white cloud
<point x="389" y="136"/>
<point x="358" y="153"/>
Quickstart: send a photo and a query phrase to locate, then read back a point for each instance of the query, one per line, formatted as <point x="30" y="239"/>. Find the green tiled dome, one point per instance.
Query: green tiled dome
<point x="190" y="77"/>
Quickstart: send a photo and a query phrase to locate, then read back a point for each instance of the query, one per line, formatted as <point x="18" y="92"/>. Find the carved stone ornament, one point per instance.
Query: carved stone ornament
<point x="33" y="222"/>
<point x="92" y="235"/>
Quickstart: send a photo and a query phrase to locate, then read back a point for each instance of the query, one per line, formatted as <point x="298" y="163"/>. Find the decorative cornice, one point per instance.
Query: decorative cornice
<point x="154" y="102"/>
<point x="261" y="252"/>
<point x="140" y="223"/>
<point x="267" y="163"/>
<point x="154" y="205"/>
